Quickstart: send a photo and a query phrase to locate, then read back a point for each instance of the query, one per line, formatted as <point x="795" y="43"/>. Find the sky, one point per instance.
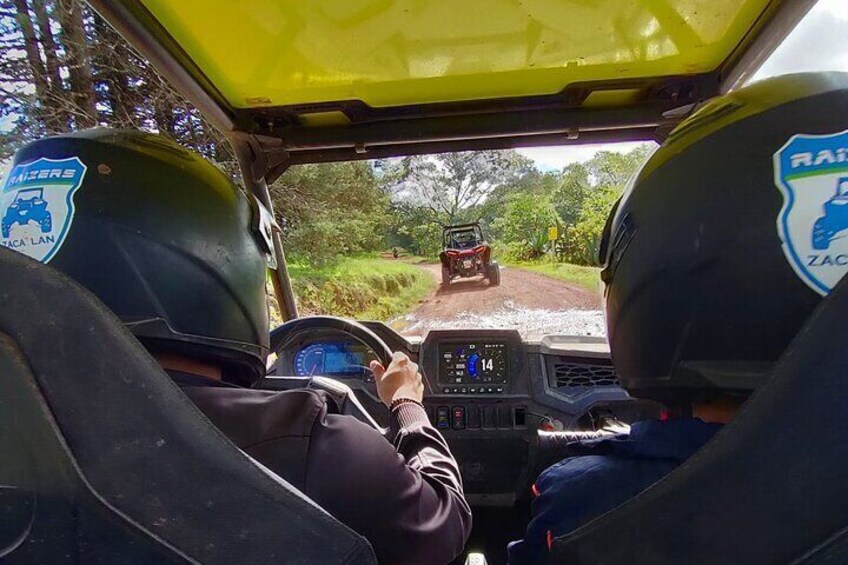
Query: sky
<point x="818" y="43"/>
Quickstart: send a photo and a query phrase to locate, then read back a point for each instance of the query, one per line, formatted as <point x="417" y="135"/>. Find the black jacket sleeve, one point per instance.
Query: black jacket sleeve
<point x="405" y="497"/>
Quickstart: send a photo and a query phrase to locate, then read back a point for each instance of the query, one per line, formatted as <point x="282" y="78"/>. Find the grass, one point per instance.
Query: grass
<point x="365" y="287"/>
<point x="586" y="277"/>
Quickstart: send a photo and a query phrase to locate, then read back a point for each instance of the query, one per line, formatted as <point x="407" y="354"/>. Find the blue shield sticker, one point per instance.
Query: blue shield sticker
<point x="37" y="206"/>
<point x="811" y="171"/>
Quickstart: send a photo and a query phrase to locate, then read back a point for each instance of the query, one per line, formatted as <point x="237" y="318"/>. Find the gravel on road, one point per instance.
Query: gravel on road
<point x="529" y="302"/>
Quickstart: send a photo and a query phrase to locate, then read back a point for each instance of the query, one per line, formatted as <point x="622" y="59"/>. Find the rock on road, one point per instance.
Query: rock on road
<point x="529" y="302"/>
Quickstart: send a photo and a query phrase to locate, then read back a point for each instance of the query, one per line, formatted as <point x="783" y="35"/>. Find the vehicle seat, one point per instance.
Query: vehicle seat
<point x="104" y="460"/>
<point x="769" y="488"/>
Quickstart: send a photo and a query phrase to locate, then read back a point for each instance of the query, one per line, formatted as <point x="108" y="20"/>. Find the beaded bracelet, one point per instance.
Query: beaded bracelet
<point x="401" y="401"/>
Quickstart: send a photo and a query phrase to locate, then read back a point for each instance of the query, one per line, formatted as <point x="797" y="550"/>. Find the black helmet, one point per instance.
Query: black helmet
<point x="160" y="235"/>
<point x="729" y="237"/>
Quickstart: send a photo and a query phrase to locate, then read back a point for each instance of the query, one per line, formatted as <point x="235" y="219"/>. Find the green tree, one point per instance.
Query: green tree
<point x="573" y="188"/>
<point x="452" y="185"/>
<point x="586" y="196"/>
<point x="62" y="68"/>
<point x="330" y="210"/>
<point x="610" y="168"/>
<point x="415" y="229"/>
<point x="525" y="223"/>
<point x="584" y="238"/>
<point x="529" y="181"/>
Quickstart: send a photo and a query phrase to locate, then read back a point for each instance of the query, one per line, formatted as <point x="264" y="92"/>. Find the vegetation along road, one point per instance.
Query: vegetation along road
<point x="534" y="303"/>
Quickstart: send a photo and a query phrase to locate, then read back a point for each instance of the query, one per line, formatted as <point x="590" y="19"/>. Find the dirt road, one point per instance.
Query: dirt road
<point x="532" y="303"/>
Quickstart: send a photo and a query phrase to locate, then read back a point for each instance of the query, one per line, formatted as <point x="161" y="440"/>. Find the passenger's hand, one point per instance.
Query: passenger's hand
<point x="400" y="380"/>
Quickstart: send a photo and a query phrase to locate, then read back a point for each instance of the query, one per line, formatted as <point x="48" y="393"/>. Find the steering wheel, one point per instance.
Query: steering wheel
<point x="341" y="393"/>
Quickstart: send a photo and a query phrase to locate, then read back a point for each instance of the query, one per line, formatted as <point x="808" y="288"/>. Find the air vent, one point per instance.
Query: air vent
<point x="583" y="375"/>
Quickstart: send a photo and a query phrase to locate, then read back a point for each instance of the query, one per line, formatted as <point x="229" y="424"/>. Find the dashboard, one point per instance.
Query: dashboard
<point x="338" y="359"/>
<point x="488" y="392"/>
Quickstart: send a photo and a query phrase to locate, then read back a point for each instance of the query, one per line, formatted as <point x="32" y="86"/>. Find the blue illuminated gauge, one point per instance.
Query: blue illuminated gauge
<point x="487" y="365"/>
<point x="309" y="361"/>
<point x="472" y="365"/>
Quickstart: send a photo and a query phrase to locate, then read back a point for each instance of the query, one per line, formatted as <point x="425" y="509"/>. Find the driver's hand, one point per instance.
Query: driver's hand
<point x="400" y="380"/>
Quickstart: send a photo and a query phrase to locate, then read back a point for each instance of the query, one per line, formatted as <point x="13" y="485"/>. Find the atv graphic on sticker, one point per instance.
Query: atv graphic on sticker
<point x="37" y="206"/>
<point x="28" y="206"/>
<point x="811" y="171"/>
<point x="835" y="217"/>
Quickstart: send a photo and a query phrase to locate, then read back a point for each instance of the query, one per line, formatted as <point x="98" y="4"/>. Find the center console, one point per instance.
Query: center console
<point x="478" y="397"/>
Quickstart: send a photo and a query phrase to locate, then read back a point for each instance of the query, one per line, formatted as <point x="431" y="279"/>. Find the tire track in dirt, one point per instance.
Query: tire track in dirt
<point x="529" y="302"/>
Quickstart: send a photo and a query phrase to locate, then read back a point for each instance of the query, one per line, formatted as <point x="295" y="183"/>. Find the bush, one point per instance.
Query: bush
<point x="330" y="211"/>
<point x="509" y="251"/>
<point x="360" y="287"/>
<point x="583" y="239"/>
<point x="524" y="224"/>
<point x="415" y="229"/>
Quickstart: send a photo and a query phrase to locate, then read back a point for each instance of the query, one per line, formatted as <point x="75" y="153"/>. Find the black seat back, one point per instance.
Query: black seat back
<point x="104" y="460"/>
<point x="771" y="487"/>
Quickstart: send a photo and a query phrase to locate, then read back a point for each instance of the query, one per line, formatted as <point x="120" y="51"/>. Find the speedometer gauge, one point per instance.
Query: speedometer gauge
<point x="486" y="364"/>
<point x="310" y="360"/>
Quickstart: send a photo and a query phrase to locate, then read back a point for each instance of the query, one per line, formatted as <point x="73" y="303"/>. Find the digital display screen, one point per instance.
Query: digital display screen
<point x="331" y="358"/>
<point x="473" y="363"/>
<point x="343" y="361"/>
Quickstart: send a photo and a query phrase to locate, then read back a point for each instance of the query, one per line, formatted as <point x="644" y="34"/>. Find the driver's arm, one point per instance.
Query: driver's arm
<point x="406" y="496"/>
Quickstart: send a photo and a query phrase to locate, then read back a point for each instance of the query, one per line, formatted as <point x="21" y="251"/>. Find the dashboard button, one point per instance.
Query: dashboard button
<point x="458" y="417"/>
<point x="443" y="417"/>
<point x="504" y="416"/>
<point x="446" y="390"/>
<point x="499" y="389"/>
<point x="431" y="415"/>
<point x="473" y="390"/>
<point x="489" y="417"/>
<point x="463" y="390"/>
<point x="520" y="417"/>
<point x="472" y="413"/>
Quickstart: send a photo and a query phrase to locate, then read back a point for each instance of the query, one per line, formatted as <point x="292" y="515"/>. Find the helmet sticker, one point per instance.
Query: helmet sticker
<point x="37" y="206"/>
<point x="811" y="171"/>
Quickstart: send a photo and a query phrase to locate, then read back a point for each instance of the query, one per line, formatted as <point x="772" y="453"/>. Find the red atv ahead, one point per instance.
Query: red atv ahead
<point x="466" y="254"/>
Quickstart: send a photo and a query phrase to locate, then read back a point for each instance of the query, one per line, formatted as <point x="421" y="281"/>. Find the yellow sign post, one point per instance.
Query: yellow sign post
<point x="553" y="234"/>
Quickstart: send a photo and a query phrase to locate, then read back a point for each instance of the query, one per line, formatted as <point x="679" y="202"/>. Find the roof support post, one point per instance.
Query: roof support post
<point x="253" y="165"/>
<point x="787" y="17"/>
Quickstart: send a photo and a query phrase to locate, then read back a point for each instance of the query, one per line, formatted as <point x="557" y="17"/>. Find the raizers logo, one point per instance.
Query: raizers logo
<point x="37" y="206"/>
<point x="811" y="171"/>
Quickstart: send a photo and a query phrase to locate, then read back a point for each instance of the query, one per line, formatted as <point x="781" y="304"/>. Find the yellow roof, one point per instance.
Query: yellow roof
<point x="388" y="53"/>
<point x="353" y="79"/>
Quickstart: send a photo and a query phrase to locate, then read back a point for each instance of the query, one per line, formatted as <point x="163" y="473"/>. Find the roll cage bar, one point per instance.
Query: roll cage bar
<point x="448" y="233"/>
<point x="267" y="141"/>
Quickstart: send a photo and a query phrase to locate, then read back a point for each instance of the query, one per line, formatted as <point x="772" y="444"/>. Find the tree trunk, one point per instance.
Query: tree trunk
<point x="112" y="57"/>
<point x="79" y="67"/>
<point x="56" y="88"/>
<point x="163" y="114"/>
<point x="36" y="64"/>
